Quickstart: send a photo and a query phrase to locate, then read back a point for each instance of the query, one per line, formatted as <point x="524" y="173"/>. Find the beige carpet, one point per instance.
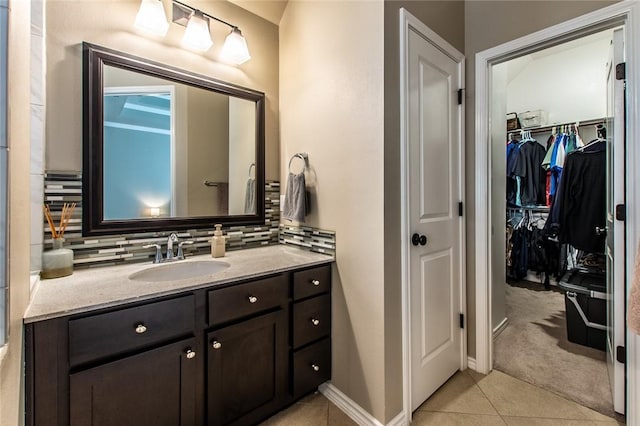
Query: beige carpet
<point x="534" y="348"/>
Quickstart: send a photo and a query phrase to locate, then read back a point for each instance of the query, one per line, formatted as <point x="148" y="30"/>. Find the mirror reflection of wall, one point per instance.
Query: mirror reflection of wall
<point x="138" y="144"/>
<point x="175" y="150"/>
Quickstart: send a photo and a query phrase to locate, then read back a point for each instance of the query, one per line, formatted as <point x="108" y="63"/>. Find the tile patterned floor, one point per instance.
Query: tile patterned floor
<point x="468" y="398"/>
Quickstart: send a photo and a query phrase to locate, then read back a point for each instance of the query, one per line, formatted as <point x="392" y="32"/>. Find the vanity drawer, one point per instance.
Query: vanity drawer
<point x="311" y="282"/>
<point x="311" y="320"/>
<point x="311" y="367"/>
<point x="242" y="300"/>
<point x="117" y="332"/>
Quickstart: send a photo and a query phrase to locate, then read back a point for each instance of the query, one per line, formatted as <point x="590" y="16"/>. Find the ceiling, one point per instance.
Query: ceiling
<point x="271" y="10"/>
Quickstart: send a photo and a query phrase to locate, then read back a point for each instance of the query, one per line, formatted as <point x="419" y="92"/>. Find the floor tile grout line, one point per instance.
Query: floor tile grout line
<point x="477" y="384"/>
<point x="543" y="389"/>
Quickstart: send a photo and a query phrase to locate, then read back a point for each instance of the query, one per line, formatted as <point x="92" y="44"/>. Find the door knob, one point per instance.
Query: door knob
<point x="418" y="239"/>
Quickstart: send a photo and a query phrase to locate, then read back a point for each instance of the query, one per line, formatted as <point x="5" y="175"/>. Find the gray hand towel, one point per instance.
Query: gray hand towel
<point x="250" y="197"/>
<point x="294" y="207"/>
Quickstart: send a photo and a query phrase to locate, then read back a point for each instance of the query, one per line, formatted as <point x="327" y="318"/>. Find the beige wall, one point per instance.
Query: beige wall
<point x="208" y="152"/>
<point x="445" y="18"/>
<point x="11" y="362"/>
<point x="331" y="106"/>
<point x="109" y="23"/>
<point x="488" y="24"/>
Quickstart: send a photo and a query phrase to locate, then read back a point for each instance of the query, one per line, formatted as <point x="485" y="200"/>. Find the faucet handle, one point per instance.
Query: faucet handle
<point x="180" y="252"/>
<point x="158" y="258"/>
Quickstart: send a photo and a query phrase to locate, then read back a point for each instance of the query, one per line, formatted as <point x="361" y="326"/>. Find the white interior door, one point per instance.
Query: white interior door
<point x="434" y="191"/>
<point x="615" y="251"/>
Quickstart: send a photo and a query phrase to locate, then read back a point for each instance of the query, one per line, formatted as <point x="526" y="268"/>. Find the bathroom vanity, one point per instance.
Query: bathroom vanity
<point x="230" y="348"/>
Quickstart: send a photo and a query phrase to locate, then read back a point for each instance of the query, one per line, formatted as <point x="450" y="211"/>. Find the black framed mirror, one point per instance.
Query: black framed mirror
<point x="167" y="149"/>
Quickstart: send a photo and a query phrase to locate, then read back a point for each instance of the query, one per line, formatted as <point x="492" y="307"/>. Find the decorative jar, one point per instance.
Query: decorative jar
<point x="57" y="262"/>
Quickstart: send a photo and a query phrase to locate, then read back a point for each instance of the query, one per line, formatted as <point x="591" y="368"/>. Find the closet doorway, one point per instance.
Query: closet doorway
<point x="490" y="219"/>
<point x="550" y="306"/>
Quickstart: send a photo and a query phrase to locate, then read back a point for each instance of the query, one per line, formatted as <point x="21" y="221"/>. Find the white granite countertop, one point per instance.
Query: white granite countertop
<point x="94" y="288"/>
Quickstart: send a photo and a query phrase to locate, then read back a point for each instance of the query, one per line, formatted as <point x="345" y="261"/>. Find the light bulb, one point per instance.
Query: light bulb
<point x="235" y="48"/>
<point x="197" y="36"/>
<point x="151" y="17"/>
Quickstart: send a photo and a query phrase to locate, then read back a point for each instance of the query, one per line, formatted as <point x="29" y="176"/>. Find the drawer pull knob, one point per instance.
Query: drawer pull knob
<point x="315" y="321"/>
<point x="190" y="354"/>
<point x="315" y="282"/>
<point x="216" y="345"/>
<point x="253" y="299"/>
<point x="140" y="329"/>
<point x="315" y="367"/>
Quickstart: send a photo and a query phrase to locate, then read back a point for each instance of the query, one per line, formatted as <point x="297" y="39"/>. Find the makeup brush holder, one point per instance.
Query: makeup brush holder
<point x="57" y="262"/>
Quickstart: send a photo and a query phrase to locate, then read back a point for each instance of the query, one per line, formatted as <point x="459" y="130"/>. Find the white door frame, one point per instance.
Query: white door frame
<point x="625" y="13"/>
<point x="407" y="22"/>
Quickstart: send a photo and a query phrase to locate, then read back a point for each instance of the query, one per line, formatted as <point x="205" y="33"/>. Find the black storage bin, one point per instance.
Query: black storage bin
<point x="586" y="308"/>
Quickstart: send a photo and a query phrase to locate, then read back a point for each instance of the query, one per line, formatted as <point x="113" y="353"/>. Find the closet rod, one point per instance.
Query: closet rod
<point x="548" y="128"/>
<point x="535" y="209"/>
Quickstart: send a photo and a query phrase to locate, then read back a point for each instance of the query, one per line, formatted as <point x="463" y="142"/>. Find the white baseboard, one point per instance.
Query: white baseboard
<point x="399" y="420"/>
<point x="354" y="411"/>
<point x="500" y="328"/>
<point x="471" y="363"/>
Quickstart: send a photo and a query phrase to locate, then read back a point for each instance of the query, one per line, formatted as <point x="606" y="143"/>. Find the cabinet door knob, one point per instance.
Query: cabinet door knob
<point x="140" y="328"/>
<point x="253" y="299"/>
<point x="315" y="367"/>
<point x="190" y="354"/>
<point x="315" y="282"/>
<point x="315" y="321"/>
<point x="216" y="345"/>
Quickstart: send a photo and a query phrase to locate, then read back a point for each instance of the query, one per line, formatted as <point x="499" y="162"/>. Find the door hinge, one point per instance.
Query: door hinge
<point x="621" y="71"/>
<point x="460" y="208"/>
<point x="461" y="320"/>
<point x="460" y="97"/>
<point x="621" y="354"/>
<point x="621" y="212"/>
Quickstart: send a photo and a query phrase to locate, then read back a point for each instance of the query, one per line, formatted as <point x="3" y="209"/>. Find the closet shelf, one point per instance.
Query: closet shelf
<point x="544" y="129"/>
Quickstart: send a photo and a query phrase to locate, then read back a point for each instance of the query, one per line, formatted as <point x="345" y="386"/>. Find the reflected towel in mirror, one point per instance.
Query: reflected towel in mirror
<point x="250" y="197"/>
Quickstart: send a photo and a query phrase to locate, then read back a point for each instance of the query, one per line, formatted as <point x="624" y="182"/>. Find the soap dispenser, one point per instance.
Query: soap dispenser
<point x="218" y="242"/>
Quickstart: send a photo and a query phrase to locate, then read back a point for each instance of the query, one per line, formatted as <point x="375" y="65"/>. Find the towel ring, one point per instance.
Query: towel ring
<point x="301" y="155"/>
<point x="252" y="166"/>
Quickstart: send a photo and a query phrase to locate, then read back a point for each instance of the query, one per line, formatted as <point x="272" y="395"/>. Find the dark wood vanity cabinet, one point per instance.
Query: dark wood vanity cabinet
<point x="226" y="355"/>
<point x="247" y="370"/>
<point x="311" y="329"/>
<point x="155" y="387"/>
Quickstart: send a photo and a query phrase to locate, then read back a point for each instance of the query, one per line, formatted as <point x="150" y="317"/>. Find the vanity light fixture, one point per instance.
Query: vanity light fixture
<point x="151" y="17"/>
<point x="198" y="37"/>
<point x="235" y="48"/>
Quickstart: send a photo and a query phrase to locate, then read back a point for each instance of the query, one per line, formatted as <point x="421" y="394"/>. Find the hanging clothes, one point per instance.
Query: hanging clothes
<point x="525" y="176"/>
<point x="515" y="172"/>
<point x="583" y="203"/>
<point x="533" y="182"/>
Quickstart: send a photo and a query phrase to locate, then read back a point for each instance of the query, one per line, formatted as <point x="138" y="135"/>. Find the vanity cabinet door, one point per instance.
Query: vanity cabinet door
<point x="156" y="387"/>
<point x="247" y="370"/>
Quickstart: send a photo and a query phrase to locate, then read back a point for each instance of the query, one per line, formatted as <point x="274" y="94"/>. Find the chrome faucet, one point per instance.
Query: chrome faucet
<point x="173" y="238"/>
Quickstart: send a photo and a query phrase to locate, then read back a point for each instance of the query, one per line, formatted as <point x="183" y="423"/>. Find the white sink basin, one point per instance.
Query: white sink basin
<point x="180" y="271"/>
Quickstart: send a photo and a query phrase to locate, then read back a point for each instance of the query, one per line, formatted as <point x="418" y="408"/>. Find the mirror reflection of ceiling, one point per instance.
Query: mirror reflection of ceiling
<point x="271" y="10"/>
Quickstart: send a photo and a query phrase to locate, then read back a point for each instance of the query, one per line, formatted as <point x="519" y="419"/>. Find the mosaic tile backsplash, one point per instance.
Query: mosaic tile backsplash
<point x="66" y="187"/>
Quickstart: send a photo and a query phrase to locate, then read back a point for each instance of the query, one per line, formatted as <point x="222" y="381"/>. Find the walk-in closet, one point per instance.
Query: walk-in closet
<point x="553" y="162"/>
